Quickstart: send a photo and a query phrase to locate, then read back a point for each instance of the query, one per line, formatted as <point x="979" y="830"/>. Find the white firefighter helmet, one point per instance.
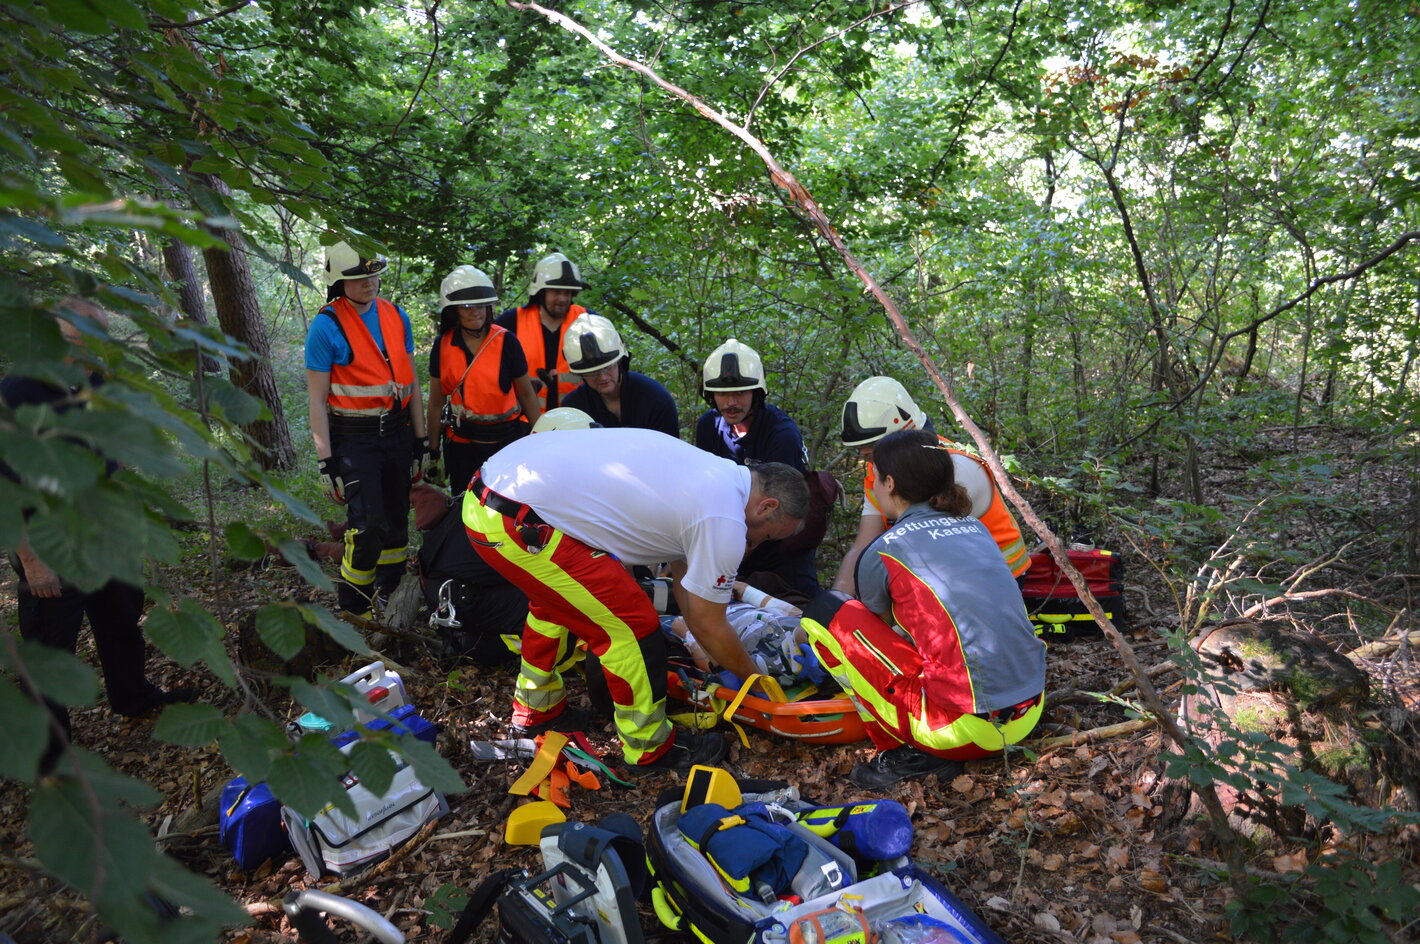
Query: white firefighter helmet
<point x="591" y="343"/>
<point x="342" y="262"/>
<point x="467" y="285"/>
<point x="733" y="366"/>
<point x="556" y="271"/>
<point x="876" y="407"/>
<point x="564" y="417"/>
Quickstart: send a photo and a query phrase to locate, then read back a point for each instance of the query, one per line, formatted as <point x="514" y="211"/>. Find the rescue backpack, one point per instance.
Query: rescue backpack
<point x="471" y="605"/>
<point x="767" y="871"/>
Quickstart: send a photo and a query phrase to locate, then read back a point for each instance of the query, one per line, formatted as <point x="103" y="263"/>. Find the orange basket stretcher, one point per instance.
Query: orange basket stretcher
<point x="793" y="715"/>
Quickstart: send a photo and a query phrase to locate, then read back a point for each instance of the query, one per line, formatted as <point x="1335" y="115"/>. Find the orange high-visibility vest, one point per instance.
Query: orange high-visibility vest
<point x="529" y="330"/>
<point x="997" y="518"/>
<point x="374" y="382"/>
<point x="471" y="384"/>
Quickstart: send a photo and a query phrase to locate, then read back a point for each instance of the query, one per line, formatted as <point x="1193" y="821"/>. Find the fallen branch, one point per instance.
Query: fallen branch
<point x="1171" y="935"/>
<point x="1384" y="647"/>
<point x="1213" y="865"/>
<point x="461" y="834"/>
<point x="356" y="881"/>
<point x="189" y="834"/>
<point x="1073" y="696"/>
<point x="1095" y="734"/>
<point x="1257" y="608"/>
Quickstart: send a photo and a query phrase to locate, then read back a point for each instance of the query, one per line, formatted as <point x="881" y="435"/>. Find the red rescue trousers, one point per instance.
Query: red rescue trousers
<point x="575" y="588"/>
<point x="882" y="673"/>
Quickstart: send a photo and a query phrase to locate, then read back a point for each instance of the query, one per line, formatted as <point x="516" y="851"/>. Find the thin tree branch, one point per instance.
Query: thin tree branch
<point x="764" y="90"/>
<point x="1316" y="285"/>
<point x="980" y="88"/>
<point x="1257" y="608"/>
<point x="650" y="330"/>
<point x="433" y="14"/>
<point x="158" y="24"/>
<point x="1320" y="283"/>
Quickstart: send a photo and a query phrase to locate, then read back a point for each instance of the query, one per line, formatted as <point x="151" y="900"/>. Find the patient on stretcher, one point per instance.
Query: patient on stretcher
<point x="771" y="636"/>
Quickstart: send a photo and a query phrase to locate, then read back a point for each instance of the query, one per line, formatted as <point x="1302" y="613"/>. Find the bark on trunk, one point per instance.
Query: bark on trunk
<point x="234" y="294"/>
<point x="182" y="271"/>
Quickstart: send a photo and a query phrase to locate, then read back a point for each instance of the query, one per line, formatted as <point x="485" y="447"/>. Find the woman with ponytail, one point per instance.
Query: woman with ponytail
<point x="936" y="650"/>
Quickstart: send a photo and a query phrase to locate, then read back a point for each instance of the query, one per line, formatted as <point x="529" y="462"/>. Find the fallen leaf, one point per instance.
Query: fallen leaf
<point x="1047" y="921"/>
<point x="1152" y="881"/>
<point x="963" y="784"/>
<point x="997" y="903"/>
<point x="1117" y="856"/>
<point x="1292" y="862"/>
<point x="1125" y="937"/>
<point x="1053" y="862"/>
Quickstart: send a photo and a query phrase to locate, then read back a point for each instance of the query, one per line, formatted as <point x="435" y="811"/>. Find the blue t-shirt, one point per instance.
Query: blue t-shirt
<point x="326" y="345"/>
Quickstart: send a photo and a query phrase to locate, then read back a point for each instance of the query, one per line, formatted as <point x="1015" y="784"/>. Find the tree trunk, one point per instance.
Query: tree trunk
<point x="182" y="271"/>
<point x="239" y="314"/>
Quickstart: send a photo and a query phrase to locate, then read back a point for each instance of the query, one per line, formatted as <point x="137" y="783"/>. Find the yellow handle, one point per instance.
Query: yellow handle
<point x="664" y="909"/>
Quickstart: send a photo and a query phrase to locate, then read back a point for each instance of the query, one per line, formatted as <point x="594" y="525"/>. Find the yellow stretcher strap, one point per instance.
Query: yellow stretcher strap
<point x="542" y="764"/>
<point x="771" y="687"/>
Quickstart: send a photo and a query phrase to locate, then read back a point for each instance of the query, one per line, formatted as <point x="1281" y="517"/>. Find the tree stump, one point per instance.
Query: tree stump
<point x="1270" y="678"/>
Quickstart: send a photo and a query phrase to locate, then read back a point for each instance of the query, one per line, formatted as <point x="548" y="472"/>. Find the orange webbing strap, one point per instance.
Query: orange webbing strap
<point x="554" y="788"/>
<point x="771" y="687"/>
<point x="542" y="764"/>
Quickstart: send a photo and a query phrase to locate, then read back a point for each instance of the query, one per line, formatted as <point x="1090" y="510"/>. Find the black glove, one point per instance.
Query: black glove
<point x="331" y="479"/>
<point x="432" y="473"/>
<point x="422" y="460"/>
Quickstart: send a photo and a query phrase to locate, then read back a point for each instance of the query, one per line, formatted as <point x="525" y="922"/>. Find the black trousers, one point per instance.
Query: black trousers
<point x="113" y="611"/>
<point x="376" y="473"/>
<point x="463" y="459"/>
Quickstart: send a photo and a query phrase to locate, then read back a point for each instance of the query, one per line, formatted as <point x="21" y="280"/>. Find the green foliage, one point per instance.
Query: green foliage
<point x="121" y="131"/>
<point x="1353" y="900"/>
<point x="445" y="905"/>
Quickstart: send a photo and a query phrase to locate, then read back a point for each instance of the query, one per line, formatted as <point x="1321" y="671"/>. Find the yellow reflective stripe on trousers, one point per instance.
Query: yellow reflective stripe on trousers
<point x="870" y="704"/>
<point x="393" y="555"/>
<point x="878" y="653"/>
<point x="348" y="572"/>
<point x="538" y="689"/>
<point x="969" y="729"/>
<point x="641" y="725"/>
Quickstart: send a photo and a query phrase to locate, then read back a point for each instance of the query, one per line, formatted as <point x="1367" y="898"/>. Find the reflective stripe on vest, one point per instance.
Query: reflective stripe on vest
<point x="530" y="329"/>
<point x="997" y="519"/>
<point x="472" y="386"/>
<point x="370" y="384"/>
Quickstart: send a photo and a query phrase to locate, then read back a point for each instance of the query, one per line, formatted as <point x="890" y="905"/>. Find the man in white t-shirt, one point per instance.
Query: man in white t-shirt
<point x="562" y="515"/>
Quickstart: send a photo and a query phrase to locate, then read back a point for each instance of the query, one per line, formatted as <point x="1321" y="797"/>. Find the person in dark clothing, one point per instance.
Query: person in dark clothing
<point x="52" y="610"/>
<point x="475" y="610"/>
<point x="610" y="393"/>
<point x="742" y="427"/>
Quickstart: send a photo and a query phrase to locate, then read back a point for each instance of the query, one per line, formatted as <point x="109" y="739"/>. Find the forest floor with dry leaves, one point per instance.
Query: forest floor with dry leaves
<point x="1061" y="844"/>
